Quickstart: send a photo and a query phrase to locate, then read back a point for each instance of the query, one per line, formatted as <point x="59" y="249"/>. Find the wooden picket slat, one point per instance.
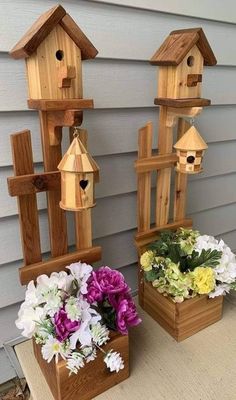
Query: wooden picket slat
<point x="180" y="179"/>
<point x="57" y="217"/>
<point x="165" y="144"/>
<point x="144" y="179"/>
<point x="27" y="203"/>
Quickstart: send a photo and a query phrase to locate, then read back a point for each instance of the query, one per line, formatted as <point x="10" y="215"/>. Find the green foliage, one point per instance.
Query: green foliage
<point x="154" y="274"/>
<point x="207" y="258"/>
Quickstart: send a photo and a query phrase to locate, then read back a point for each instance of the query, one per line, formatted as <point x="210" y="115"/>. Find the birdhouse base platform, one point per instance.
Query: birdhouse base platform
<point x="181" y="320"/>
<point x="57" y="105"/>
<point x="91" y="380"/>
<point x="180" y="103"/>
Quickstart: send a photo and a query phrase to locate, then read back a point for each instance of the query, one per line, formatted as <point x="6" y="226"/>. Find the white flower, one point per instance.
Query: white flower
<point x="89" y="353"/>
<point x="75" y="362"/>
<point x="53" y="301"/>
<point x="28" y="317"/>
<point x="73" y="309"/>
<point x="31" y="297"/>
<point x="114" y="361"/>
<point x="100" y="334"/>
<point x="88" y="317"/>
<point x="52" y="348"/>
<point x="220" y="290"/>
<point x="81" y="272"/>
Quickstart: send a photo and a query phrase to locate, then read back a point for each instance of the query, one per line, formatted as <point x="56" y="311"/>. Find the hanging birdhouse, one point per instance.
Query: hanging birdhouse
<point x="79" y="173"/>
<point x="190" y="150"/>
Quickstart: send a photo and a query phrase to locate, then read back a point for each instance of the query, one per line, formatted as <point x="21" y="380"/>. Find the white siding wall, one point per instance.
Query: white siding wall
<point x="123" y="85"/>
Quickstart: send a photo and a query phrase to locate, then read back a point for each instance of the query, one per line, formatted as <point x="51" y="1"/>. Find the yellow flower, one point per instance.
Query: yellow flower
<point x="146" y="260"/>
<point x="203" y="280"/>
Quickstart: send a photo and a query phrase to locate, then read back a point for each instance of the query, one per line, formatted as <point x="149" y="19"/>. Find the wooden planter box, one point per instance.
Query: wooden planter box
<point x="181" y="320"/>
<point x="91" y="380"/>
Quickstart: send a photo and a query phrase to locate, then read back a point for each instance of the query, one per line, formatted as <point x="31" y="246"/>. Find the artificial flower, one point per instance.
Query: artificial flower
<point x="220" y="290"/>
<point x="81" y="272"/>
<point x="28" y="317"/>
<point x="63" y="325"/>
<point x="100" y="334"/>
<point x="72" y="308"/>
<point x="54" y="348"/>
<point x="75" y="362"/>
<point x="147" y="260"/>
<point x="203" y="280"/>
<point x="114" y="361"/>
<point x="89" y="353"/>
<point x="126" y="312"/>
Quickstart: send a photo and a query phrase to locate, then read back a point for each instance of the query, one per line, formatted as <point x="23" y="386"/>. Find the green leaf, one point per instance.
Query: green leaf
<point x="154" y="274"/>
<point x="207" y="258"/>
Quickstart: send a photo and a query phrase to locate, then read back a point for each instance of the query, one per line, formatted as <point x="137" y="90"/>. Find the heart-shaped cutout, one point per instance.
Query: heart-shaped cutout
<point x="83" y="184"/>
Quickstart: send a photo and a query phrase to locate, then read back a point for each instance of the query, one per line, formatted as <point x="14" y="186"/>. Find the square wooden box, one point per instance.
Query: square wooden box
<point x="181" y="320"/>
<point x="94" y="378"/>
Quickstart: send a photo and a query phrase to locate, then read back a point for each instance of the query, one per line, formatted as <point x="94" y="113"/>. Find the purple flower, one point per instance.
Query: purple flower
<point x="63" y="325"/>
<point x="105" y="281"/>
<point x="126" y="312"/>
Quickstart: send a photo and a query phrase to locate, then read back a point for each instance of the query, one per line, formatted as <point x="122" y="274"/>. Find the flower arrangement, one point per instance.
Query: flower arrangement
<point x="71" y="315"/>
<point x="184" y="264"/>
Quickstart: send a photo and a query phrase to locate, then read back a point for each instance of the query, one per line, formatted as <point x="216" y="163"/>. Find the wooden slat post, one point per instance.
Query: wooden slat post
<point x="57" y="217"/>
<point x="165" y="144"/>
<point x="83" y="219"/>
<point x="181" y="179"/>
<point x="144" y="179"/>
<point x="27" y="203"/>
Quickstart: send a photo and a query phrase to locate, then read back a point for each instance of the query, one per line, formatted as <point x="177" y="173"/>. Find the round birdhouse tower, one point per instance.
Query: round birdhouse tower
<point x="190" y="150"/>
<point x="79" y="173"/>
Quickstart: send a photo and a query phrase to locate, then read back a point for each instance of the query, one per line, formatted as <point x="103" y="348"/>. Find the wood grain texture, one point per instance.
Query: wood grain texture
<point x="33" y="183"/>
<point x="38" y="32"/>
<point x="93" y="379"/>
<point x="57" y="264"/>
<point x="181" y="180"/>
<point x="183" y="319"/>
<point x="182" y="102"/>
<point x="72" y="29"/>
<point x="60" y="105"/>
<point x="155" y="163"/>
<point x="152" y="364"/>
<point x="57" y="219"/>
<point x="165" y="143"/>
<point x="27" y="204"/>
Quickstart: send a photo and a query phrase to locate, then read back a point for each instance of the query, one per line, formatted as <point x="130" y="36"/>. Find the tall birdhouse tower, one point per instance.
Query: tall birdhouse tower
<point x="180" y="59"/>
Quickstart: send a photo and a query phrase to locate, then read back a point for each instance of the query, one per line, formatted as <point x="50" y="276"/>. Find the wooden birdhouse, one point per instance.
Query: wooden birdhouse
<point x="180" y="59"/>
<point x="53" y="49"/>
<point x="190" y="150"/>
<point x="79" y="173"/>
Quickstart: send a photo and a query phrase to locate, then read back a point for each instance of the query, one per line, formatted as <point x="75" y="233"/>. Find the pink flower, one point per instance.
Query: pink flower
<point x="64" y="326"/>
<point x="105" y="281"/>
<point x="126" y="312"/>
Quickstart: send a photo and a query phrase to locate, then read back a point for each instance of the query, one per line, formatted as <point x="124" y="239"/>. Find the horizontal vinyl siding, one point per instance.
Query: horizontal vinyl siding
<point x="123" y="86"/>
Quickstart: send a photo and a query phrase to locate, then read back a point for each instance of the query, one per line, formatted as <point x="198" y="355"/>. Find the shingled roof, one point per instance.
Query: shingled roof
<point x="179" y="43"/>
<point x="29" y="43"/>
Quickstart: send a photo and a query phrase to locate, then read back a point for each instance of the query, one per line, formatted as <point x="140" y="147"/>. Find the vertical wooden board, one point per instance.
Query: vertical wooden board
<point x="57" y="217"/>
<point x="181" y="180"/>
<point x="27" y="204"/>
<point x="83" y="219"/>
<point x="165" y="143"/>
<point x="144" y="179"/>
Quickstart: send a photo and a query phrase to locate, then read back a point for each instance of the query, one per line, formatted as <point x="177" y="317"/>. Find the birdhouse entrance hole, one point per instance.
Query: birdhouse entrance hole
<point x="190" y="61"/>
<point x="59" y="55"/>
<point x="83" y="183"/>
<point x="190" y="159"/>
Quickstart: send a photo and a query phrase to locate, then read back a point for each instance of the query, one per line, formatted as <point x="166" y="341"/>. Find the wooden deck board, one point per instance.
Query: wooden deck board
<point x="201" y="367"/>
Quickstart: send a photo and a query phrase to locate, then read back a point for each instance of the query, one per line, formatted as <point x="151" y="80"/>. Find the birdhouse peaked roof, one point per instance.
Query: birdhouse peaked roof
<point x="179" y="43"/>
<point x="191" y="140"/>
<point x="77" y="159"/>
<point x="44" y="25"/>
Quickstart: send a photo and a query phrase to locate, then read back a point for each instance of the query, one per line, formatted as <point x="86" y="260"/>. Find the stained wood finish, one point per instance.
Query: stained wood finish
<point x="27" y="203"/>
<point x="180" y="199"/>
<point x="59" y="119"/>
<point x="182" y="102"/>
<point x="91" y="380"/>
<point x="57" y="264"/>
<point x="57" y="219"/>
<point x="178" y="44"/>
<point x="54" y="105"/>
<point x="165" y="143"/>
<point x="33" y="183"/>
<point x="155" y="163"/>
<point x="38" y="32"/>
<point x="183" y="319"/>
<point x="87" y="49"/>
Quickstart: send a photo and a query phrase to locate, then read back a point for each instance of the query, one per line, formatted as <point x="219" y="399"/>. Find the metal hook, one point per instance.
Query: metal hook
<point x="192" y="121"/>
<point x="76" y="132"/>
